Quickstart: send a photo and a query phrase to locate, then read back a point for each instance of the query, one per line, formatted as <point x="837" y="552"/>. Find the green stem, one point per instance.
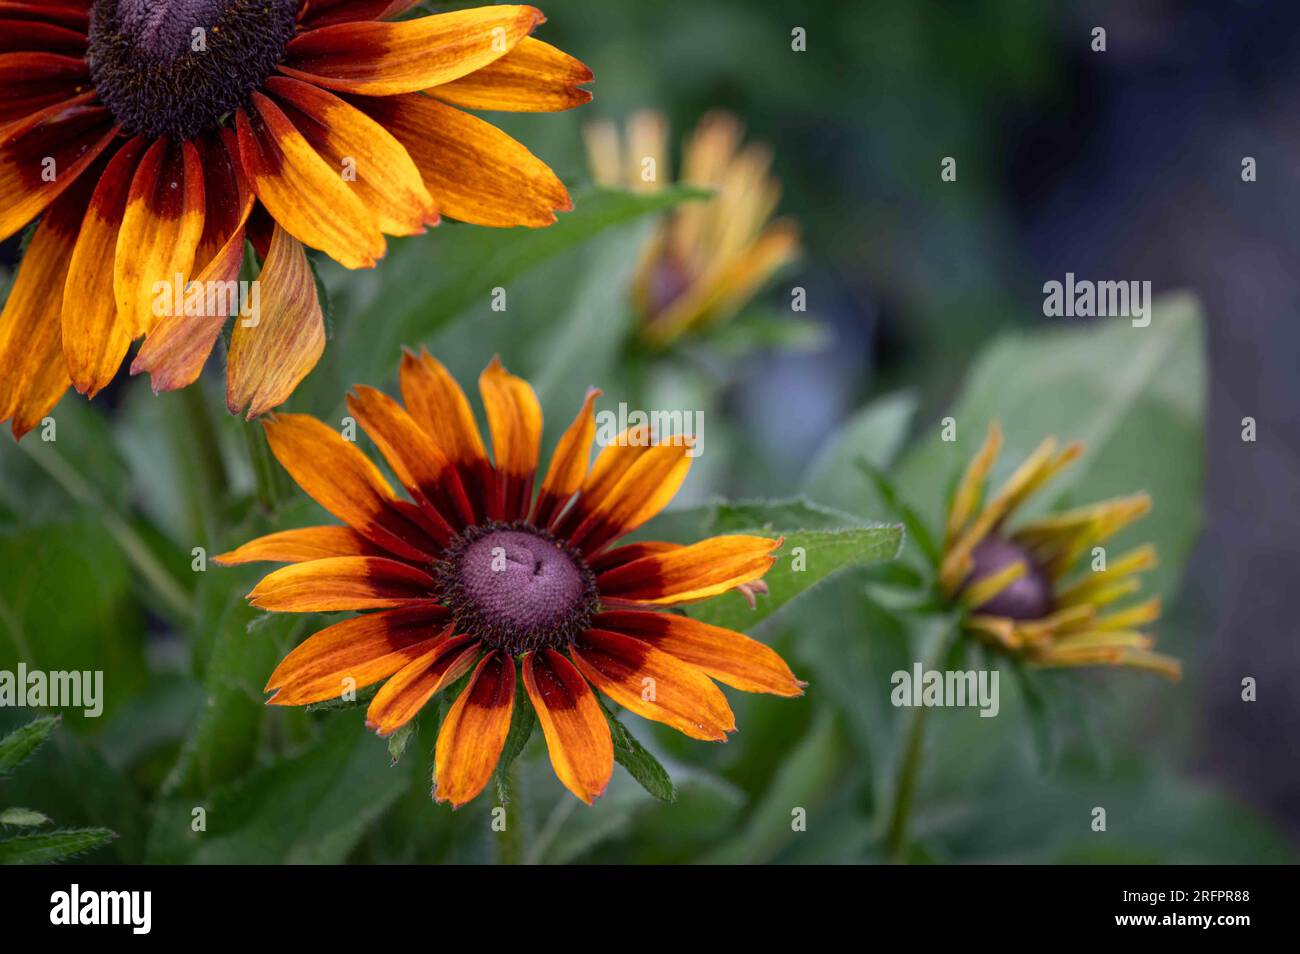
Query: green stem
<point x="896" y="842"/>
<point x="510" y="843"/>
<point x="199" y="451"/>
<point x="265" y="468"/>
<point x="137" y="551"/>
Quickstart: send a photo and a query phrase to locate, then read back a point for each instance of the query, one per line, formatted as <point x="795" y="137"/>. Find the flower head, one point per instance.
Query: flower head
<point x="1017" y="583"/>
<point x="709" y="258"/>
<point x="477" y="574"/>
<point x="153" y="137"/>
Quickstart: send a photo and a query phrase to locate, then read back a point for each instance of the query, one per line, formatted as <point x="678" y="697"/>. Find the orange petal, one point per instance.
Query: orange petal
<point x="338" y="476"/>
<point x="301" y="545"/>
<point x="577" y="736"/>
<point x="475" y="731"/>
<point x="515" y="421"/>
<point x="39" y="160"/>
<point x="654" y="684"/>
<point x="696" y="572"/>
<point x="96" y="333"/>
<point x="382" y="59"/>
<point x="362" y="650"/>
<point x="569" y="464"/>
<point x="341" y="583"/>
<point x="33" y="371"/>
<point x="617" y="556"/>
<point x="160" y="232"/>
<point x="319" y="13"/>
<point x="534" y="77"/>
<point x="617" y="500"/>
<point x="416" y="460"/>
<point x="302" y="191"/>
<point x="403" y="696"/>
<point x="727" y="656"/>
<point x="179" y="345"/>
<point x="272" y="351"/>
<point x="379" y="171"/>
<point x="438" y="405"/>
<point x="474" y="171"/>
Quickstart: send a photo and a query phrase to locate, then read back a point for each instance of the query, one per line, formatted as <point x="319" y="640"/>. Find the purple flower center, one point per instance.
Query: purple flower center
<point x="517" y="588"/>
<point x="1029" y="597"/>
<point x="176" y="67"/>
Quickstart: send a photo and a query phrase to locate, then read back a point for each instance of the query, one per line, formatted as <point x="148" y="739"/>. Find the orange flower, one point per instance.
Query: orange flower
<point x="1013" y="583"/>
<point x="156" y="136"/>
<point x="472" y="575"/>
<point x="709" y="258"/>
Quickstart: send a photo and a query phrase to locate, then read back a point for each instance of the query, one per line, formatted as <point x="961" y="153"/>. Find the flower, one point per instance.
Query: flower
<point x="471" y="575"/>
<point x="709" y="258"/>
<point x="156" y="135"/>
<point x="1016" y="584"/>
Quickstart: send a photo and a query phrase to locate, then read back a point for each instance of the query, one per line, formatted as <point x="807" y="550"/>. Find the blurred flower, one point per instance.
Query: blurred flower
<point x="709" y="258"/>
<point x="1013" y="582"/>
<point x="472" y="575"/>
<point x="155" y="136"/>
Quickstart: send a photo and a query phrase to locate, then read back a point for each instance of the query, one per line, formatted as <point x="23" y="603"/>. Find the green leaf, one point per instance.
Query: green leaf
<point x="802" y="782"/>
<point x="765" y="328"/>
<point x="23" y="816"/>
<point x="311" y="807"/>
<point x="522" y="722"/>
<point x="638" y="761"/>
<point x="22" y="743"/>
<point x="1135" y="397"/>
<point x="398" y="741"/>
<point x="889" y="496"/>
<point x="874" y="435"/>
<point x="806" y="558"/>
<point x="223" y="742"/>
<point x="44" y="847"/>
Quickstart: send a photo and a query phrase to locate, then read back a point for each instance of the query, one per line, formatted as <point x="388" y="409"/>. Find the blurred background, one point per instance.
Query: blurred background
<point x="1122" y="164"/>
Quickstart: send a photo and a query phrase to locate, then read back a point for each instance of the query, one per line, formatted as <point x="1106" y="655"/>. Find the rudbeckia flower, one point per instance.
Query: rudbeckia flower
<point x="473" y="575"/>
<point x="152" y="137"/>
<point x="1020" y="584"/>
<point x="709" y="258"/>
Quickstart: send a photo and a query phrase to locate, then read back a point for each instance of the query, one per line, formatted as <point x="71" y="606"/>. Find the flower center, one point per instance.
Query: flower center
<point x="1029" y="597"/>
<point x="517" y="588"/>
<point x="176" y="67"/>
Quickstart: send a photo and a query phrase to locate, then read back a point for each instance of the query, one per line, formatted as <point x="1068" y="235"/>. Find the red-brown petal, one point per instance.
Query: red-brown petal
<point x="654" y="684"/>
<point x="356" y="653"/>
<point x="338" y="476"/>
<point x="577" y="735"/>
<point x="729" y="657"/>
<point x="475" y="730"/>
<point x="384" y="59"/>
<point x="300" y="189"/>
<point x="403" y="696"/>
<point x="342" y="583"/>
